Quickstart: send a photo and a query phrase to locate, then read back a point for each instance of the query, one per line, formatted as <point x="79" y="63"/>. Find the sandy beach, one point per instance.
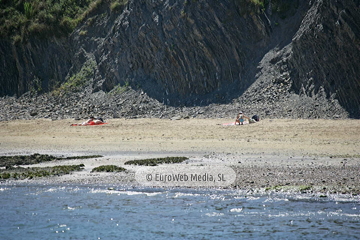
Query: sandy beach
<point x="321" y="155"/>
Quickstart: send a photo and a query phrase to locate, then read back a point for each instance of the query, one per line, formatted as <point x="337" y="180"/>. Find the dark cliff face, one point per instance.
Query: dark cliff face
<point x="179" y="51"/>
<point x="37" y="65"/>
<point x="201" y="52"/>
<point x="326" y="53"/>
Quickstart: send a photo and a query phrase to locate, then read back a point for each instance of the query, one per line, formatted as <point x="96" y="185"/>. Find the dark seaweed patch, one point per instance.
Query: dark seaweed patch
<point x="23" y="173"/>
<point x="108" y="168"/>
<point x="156" y="161"/>
<point x="8" y="161"/>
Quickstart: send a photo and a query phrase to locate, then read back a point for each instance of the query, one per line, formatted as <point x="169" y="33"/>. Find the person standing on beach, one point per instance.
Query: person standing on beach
<point x="240" y="118"/>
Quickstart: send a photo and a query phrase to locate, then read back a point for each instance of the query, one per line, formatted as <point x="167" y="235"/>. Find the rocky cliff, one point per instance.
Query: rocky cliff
<point x="285" y="58"/>
<point x="37" y="65"/>
<point x="326" y="53"/>
<point x="177" y="51"/>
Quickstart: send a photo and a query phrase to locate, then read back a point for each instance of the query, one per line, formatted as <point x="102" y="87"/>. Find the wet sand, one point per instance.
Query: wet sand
<point x="321" y="155"/>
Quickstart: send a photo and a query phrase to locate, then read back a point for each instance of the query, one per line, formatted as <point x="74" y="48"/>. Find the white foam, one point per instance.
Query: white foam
<point x="214" y="214"/>
<point x="130" y="193"/>
<point x="180" y="194"/>
<point x="236" y="210"/>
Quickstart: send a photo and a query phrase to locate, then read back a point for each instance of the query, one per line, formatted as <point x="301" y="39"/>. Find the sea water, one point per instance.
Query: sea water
<point x="94" y="212"/>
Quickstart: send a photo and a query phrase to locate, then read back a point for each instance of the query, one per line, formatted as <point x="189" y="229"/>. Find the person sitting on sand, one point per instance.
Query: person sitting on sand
<point x="254" y="119"/>
<point x="241" y="118"/>
<point x="92" y="121"/>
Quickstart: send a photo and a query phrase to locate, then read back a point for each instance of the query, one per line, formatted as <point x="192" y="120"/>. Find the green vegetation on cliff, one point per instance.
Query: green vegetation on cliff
<point x="78" y="80"/>
<point x="20" y="19"/>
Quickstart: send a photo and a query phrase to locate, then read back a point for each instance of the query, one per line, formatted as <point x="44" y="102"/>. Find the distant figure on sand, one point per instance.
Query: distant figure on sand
<point x="240" y="118"/>
<point x="90" y="121"/>
<point x="93" y="121"/>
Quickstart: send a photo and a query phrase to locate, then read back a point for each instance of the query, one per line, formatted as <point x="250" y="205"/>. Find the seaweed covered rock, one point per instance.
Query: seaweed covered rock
<point x="19" y="173"/>
<point x="108" y="168"/>
<point x="156" y="161"/>
<point x="9" y="161"/>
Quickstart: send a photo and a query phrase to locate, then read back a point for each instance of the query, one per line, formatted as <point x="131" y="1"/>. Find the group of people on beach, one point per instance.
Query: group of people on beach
<point x="240" y="119"/>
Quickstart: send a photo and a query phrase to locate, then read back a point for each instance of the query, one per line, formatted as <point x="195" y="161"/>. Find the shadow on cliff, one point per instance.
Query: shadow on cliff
<point x="234" y="62"/>
<point x="322" y="48"/>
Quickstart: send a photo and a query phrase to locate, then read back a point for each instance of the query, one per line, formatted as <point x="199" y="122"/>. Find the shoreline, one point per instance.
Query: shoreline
<point x="278" y="155"/>
<point x="254" y="172"/>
